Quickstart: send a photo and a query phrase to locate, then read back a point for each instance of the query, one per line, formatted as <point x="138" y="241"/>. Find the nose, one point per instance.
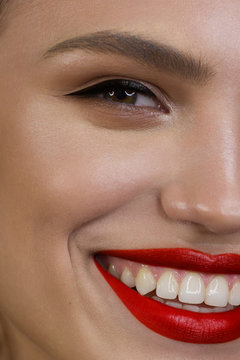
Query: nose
<point x="217" y="214"/>
<point x="206" y="187"/>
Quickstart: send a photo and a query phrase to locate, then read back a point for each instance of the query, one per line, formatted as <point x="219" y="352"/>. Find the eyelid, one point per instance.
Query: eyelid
<point x="158" y="94"/>
<point x="138" y="86"/>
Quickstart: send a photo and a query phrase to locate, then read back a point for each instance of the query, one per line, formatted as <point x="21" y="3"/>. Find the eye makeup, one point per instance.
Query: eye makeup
<point x="122" y="104"/>
<point x="122" y="92"/>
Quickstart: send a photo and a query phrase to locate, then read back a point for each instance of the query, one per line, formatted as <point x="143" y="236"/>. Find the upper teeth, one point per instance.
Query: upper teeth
<point x="190" y="289"/>
<point x="217" y="292"/>
<point x="128" y="278"/>
<point x="167" y="286"/>
<point x="145" y="281"/>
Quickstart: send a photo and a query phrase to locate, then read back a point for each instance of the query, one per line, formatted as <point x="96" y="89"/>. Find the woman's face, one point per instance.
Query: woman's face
<point x="125" y="166"/>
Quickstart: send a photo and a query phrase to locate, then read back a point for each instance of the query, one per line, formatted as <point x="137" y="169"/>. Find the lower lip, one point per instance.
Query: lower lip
<point x="177" y="324"/>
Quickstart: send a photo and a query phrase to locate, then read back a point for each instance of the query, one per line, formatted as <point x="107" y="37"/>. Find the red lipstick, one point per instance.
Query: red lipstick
<point x="178" y="324"/>
<point x="182" y="258"/>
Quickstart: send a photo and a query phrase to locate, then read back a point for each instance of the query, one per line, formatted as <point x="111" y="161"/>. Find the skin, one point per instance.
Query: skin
<point x="72" y="186"/>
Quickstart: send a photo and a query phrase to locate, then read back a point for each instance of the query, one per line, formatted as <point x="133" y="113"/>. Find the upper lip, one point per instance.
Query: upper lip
<point x="181" y="258"/>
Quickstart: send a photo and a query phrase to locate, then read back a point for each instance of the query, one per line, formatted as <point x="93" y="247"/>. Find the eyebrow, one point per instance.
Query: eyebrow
<point x="160" y="56"/>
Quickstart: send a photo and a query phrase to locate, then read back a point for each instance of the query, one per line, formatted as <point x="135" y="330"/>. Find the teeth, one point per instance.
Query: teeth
<point x="217" y="292"/>
<point x="217" y="310"/>
<point x="158" y="299"/>
<point x="112" y="269"/>
<point x="127" y="278"/>
<point x="194" y="308"/>
<point x="205" y="310"/>
<point x="145" y="281"/>
<point x="167" y="286"/>
<point x="192" y="289"/>
<point x="234" y="298"/>
<point x="199" y="309"/>
<point x="220" y="309"/>
<point x="174" y="304"/>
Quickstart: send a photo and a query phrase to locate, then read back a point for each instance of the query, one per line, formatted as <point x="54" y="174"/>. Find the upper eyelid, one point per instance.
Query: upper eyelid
<point x="114" y="82"/>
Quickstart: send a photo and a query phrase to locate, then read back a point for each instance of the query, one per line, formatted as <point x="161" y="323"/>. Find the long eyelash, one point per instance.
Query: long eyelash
<point x="110" y="84"/>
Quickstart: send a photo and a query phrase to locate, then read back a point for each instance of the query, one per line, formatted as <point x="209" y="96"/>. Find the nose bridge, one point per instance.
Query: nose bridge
<point x="207" y="190"/>
<point x="216" y="158"/>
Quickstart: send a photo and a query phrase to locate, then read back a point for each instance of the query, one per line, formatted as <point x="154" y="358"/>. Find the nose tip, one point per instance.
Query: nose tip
<point x="224" y="219"/>
<point x="221" y="215"/>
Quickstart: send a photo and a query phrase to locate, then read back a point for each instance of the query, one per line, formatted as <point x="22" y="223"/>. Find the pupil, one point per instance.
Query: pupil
<point x="121" y="94"/>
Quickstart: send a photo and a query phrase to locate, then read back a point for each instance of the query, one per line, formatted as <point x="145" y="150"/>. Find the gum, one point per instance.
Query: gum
<point x="134" y="267"/>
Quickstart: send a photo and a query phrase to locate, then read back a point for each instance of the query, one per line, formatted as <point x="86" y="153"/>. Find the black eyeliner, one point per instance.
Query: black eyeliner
<point x="112" y="84"/>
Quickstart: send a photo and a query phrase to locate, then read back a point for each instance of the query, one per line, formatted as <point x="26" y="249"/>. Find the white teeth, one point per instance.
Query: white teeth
<point x="145" y="281"/>
<point x="205" y="310"/>
<point x="127" y="278"/>
<point x="217" y="292"/>
<point x="234" y="298"/>
<point x="167" y="286"/>
<point x="158" y="299"/>
<point x="174" y="304"/>
<point x="192" y="289"/>
<point x="194" y="308"/>
<point x="223" y="309"/>
<point x="217" y="309"/>
<point x="112" y="269"/>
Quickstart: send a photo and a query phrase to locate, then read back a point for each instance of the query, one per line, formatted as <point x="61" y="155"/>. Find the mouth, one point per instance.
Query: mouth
<point x="182" y="294"/>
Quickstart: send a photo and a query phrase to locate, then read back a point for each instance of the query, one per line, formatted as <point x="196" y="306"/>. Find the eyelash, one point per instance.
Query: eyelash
<point x="120" y="84"/>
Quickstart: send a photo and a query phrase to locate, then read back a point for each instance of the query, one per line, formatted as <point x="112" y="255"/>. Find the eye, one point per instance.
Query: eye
<point x="122" y="92"/>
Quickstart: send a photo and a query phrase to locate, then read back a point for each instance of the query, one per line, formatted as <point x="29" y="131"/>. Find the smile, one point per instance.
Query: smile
<point x="182" y="294"/>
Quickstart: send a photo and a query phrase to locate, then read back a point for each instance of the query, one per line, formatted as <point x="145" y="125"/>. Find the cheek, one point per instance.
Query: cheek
<point x="58" y="171"/>
<point x="87" y="176"/>
<point x="55" y="175"/>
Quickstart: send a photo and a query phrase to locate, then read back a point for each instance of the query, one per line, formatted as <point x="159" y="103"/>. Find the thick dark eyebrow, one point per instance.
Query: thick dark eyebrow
<point x="160" y="56"/>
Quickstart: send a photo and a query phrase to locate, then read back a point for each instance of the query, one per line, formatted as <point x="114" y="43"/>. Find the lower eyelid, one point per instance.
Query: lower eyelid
<point x="121" y="117"/>
<point x="120" y="109"/>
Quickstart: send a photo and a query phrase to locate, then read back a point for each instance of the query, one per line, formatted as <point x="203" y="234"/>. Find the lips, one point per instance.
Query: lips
<point x="178" y="324"/>
<point x="181" y="258"/>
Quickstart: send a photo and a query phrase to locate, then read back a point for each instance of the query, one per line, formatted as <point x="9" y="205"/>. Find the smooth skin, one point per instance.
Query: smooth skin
<point x="79" y="176"/>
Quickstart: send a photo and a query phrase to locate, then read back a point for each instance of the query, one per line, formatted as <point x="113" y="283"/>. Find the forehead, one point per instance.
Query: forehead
<point x="206" y="28"/>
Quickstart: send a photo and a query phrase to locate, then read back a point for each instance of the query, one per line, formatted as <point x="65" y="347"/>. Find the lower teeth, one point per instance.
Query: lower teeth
<point x="194" y="308"/>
